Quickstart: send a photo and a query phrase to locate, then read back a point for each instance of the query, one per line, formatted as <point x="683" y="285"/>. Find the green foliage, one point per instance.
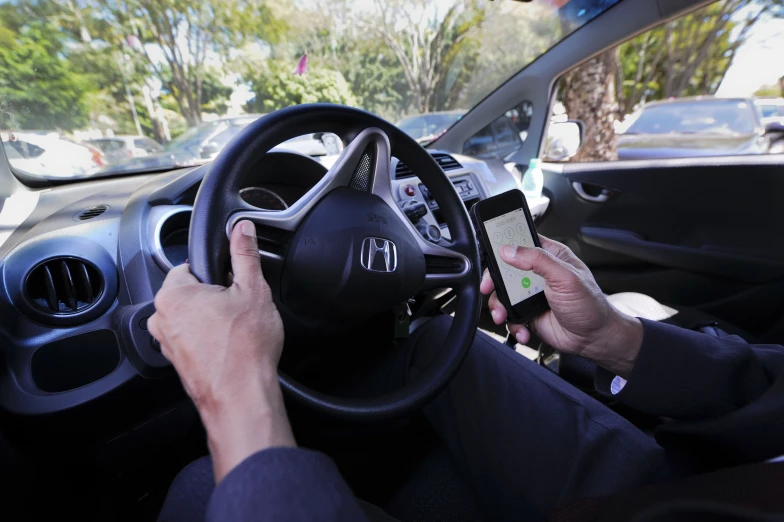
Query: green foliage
<point x="690" y="55"/>
<point x="277" y="87"/>
<point x="39" y="88"/>
<point x="769" y="91"/>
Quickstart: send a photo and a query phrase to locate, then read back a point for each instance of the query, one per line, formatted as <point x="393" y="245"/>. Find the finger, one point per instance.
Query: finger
<point x="179" y="275"/>
<point x="154" y="327"/>
<point x="245" y="259"/>
<point x="487" y="286"/>
<point x="540" y="261"/>
<point x="561" y="251"/>
<point x="497" y="310"/>
<point x="520" y="332"/>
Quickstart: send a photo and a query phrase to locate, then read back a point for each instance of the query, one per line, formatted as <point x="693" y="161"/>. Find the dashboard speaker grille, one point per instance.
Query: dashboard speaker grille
<point x="64" y="285"/>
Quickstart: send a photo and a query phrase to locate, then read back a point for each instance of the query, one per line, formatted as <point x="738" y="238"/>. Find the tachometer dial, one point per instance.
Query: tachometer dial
<point x="263" y="198"/>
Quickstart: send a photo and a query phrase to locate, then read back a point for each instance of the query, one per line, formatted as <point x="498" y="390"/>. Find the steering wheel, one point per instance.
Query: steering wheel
<point x="345" y="249"/>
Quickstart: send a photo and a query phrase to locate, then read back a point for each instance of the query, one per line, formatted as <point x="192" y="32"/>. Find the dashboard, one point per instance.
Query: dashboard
<point x="81" y="264"/>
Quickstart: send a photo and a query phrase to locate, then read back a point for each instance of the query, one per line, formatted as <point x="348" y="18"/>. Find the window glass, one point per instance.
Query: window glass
<point x="147" y="144"/>
<point x="694" y="87"/>
<point x="481" y="145"/>
<point x="504" y="136"/>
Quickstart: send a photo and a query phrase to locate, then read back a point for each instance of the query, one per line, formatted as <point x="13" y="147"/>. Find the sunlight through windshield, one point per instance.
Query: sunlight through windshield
<point x="96" y="87"/>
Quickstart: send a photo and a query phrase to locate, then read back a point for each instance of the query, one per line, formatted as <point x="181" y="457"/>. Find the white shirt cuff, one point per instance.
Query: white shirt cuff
<point x="617" y="385"/>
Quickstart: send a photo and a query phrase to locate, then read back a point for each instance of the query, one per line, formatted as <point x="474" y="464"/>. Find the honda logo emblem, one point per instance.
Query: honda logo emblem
<point x="378" y="255"/>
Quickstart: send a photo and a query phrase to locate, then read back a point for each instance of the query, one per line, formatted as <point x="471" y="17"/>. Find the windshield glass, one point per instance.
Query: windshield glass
<point x="704" y="116"/>
<point x="190" y="75"/>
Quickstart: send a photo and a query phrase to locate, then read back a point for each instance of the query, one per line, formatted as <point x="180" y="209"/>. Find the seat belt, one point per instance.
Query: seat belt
<point x="744" y="493"/>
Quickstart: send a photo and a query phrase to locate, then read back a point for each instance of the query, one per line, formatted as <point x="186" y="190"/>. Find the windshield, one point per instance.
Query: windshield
<point x="727" y="117"/>
<point x="190" y="75"/>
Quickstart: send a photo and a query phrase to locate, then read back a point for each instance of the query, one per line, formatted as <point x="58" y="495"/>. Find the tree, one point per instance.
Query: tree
<point x="437" y="54"/>
<point x="588" y="94"/>
<point x="277" y="87"/>
<point x="769" y="91"/>
<point x="186" y="34"/>
<point x="38" y="87"/>
<point x="688" y="56"/>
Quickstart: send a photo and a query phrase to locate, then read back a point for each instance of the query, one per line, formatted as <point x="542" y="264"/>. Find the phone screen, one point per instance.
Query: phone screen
<point x="512" y="229"/>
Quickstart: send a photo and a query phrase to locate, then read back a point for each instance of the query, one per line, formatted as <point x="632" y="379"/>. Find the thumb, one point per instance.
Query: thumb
<point x="539" y="261"/>
<point x="245" y="259"/>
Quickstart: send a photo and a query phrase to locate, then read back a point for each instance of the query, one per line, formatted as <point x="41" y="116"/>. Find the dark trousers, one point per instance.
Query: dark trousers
<point x="525" y="440"/>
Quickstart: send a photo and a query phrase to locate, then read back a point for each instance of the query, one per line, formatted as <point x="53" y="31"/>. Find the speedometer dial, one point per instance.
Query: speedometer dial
<point x="263" y="198"/>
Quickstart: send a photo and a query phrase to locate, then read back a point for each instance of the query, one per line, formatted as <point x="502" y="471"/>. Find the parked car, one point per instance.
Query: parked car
<point x="50" y="156"/>
<point x="770" y="109"/>
<point x="427" y="127"/>
<point x="119" y="148"/>
<point x="203" y="142"/>
<point x="695" y="127"/>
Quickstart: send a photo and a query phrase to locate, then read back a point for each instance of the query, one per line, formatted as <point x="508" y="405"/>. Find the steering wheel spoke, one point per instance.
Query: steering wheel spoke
<point x="445" y="268"/>
<point x="362" y="165"/>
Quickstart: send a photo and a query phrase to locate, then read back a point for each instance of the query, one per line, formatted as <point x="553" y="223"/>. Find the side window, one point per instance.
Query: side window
<point x="680" y="90"/>
<point x="147" y="145"/>
<point x="504" y="136"/>
<point x="25" y="149"/>
<point x="481" y="144"/>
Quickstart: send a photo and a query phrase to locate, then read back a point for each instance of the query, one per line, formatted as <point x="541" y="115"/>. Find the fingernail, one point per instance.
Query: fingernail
<point x="247" y="228"/>
<point x="494" y="313"/>
<point x="520" y="338"/>
<point x="508" y="251"/>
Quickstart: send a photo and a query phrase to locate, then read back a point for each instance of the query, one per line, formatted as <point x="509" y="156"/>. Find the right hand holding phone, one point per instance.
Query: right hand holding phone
<point x="581" y="320"/>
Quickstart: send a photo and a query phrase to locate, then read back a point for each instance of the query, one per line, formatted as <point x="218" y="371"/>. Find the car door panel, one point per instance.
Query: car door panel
<point x="704" y="235"/>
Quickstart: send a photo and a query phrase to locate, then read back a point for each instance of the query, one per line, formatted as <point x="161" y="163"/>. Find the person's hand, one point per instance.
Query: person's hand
<point x="580" y="321"/>
<point x="225" y="344"/>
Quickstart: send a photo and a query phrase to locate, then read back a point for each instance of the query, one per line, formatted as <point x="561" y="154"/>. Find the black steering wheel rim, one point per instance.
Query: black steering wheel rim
<point x="218" y="204"/>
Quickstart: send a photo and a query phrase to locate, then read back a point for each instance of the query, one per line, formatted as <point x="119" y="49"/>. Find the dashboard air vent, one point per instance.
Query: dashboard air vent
<point x="64" y="286"/>
<point x="91" y="212"/>
<point x="445" y="161"/>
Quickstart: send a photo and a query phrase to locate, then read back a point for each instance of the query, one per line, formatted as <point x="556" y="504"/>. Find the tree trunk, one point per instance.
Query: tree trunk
<point x="588" y="94"/>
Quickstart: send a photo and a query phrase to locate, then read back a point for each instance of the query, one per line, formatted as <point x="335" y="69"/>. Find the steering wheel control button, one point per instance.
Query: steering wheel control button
<point x="430" y="232"/>
<point x="526" y="282"/>
<point x="409" y="190"/>
<point x="415" y="211"/>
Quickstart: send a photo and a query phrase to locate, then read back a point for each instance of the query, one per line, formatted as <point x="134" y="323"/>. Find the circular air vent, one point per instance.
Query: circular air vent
<point x="63" y="286"/>
<point x="91" y="212"/>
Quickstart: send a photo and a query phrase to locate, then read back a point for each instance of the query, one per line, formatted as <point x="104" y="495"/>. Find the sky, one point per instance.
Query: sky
<point x="758" y="62"/>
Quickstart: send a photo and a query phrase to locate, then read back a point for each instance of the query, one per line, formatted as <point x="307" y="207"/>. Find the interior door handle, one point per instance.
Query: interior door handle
<point x="602" y="197"/>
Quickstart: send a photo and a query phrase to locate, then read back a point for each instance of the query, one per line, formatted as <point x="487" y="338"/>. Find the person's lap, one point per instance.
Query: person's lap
<point x="526" y="440"/>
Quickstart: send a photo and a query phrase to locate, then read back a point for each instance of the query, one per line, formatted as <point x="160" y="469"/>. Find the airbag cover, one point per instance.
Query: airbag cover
<point x="323" y="274"/>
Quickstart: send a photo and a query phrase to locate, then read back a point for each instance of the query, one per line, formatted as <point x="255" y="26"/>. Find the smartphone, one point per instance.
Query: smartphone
<point x="506" y="220"/>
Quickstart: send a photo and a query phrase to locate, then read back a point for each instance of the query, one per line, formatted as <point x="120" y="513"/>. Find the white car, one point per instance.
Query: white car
<point x="49" y="156"/>
<point x="770" y="109"/>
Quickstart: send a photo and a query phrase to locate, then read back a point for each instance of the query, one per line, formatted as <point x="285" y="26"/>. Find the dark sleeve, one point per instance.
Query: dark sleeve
<point x="284" y="484"/>
<point x="722" y="393"/>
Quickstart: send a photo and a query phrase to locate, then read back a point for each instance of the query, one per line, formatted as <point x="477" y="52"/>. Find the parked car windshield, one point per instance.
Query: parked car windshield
<point x="726" y="117"/>
<point x="190" y="75"/>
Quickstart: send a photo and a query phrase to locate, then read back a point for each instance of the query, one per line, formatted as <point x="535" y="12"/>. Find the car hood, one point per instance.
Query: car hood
<point x="644" y="146"/>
